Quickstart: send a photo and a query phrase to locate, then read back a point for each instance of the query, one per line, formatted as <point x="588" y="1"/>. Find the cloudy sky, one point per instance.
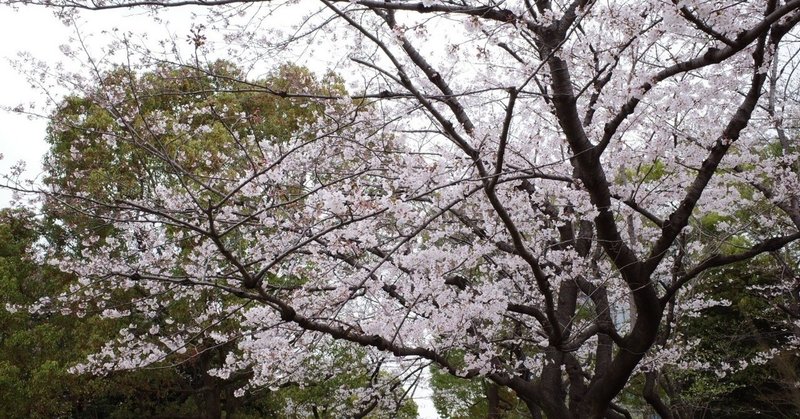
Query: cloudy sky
<point x="38" y="32"/>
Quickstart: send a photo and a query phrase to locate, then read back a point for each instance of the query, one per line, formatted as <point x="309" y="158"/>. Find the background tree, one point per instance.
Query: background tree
<point x="37" y="350"/>
<point x="525" y="174"/>
<point x="180" y="383"/>
<point x="737" y="332"/>
<point x="743" y="343"/>
<point x="456" y="397"/>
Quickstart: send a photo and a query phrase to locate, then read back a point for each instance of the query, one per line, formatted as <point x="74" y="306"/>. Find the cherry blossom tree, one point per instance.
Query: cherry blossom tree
<point x="86" y="159"/>
<point x="511" y="190"/>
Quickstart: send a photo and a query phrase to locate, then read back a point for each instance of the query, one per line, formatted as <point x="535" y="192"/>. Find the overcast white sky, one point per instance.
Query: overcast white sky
<point x="37" y="31"/>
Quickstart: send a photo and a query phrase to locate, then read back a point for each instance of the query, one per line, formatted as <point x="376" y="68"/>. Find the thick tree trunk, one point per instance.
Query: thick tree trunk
<point x="493" y="398"/>
<point x="652" y="397"/>
<point x="212" y="402"/>
<point x="536" y="411"/>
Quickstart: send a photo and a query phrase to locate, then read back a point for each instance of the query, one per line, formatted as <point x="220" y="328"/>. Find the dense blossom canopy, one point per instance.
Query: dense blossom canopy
<point x="528" y="191"/>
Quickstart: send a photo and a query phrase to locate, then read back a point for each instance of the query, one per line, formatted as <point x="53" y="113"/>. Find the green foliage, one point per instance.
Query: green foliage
<point x="455" y="397"/>
<point x="733" y="333"/>
<point x="460" y="398"/>
<point x="37" y="350"/>
<point x="643" y="173"/>
<point x="318" y="397"/>
<point x="202" y="116"/>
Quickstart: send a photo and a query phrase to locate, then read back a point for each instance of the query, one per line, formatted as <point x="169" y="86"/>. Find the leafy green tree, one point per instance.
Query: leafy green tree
<point x="461" y="398"/>
<point x="741" y="341"/>
<point x="95" y="159"/>
<point x="736" y="327"/>
<point x="37" y="350"/>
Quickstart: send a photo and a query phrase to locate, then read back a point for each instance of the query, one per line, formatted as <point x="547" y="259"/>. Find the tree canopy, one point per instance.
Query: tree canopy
<point x="85" y="160"/>
<point x="540" y="196"/>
